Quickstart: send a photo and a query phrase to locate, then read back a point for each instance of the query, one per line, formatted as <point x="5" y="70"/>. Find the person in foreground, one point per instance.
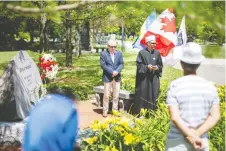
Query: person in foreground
<point x="53" y="123"/>
<point x="193" y="104"/>
<point x="149" y="70"/>
<point x="111" y="62"/>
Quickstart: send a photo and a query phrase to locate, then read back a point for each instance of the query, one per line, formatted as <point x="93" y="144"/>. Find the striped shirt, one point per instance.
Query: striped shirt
<point x="195" y="97"/>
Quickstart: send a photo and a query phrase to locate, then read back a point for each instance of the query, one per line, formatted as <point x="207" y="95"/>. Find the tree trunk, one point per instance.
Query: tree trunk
<point x="68" y="40"/>
<point x="31" y="39"/>
<point x="123" y="39"/>
<point x="91" y="37"/>
<point x="43" y="33"/>
<point x="77" y="40"/>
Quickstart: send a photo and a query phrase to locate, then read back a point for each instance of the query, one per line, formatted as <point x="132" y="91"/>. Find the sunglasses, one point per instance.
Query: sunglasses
<point x="112" y="46"/>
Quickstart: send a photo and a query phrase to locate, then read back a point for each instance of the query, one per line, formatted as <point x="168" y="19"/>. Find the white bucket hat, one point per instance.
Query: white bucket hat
<point x="192" y="53"/>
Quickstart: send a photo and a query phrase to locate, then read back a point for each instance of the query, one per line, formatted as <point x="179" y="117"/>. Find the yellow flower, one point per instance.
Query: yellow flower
<point x="115" y="120"/>
<point x="124" y="124"/>
<point x="139" y="121"/>
<point x="108" y="121"/>
<point x="114" y="149"/>
<point x="95" y="122"/>
<point x="104" y="126"/>
<point x="107" y="148"/>
<point x="120" y="130"/>
<point x="128" y="139"/>
<point x="91" y="140"/>
<point x="95" y="127"/>
<point x="116" y="113"/>
<point x="143" y="111"/>
<point x="218" y="89"/>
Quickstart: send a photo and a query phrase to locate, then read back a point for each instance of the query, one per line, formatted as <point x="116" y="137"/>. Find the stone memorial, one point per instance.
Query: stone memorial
<point x="27" y="83"/>
<point x="20" y="89"/>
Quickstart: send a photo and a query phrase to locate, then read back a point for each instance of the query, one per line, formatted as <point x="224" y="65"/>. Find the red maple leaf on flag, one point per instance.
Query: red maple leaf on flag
<point x="170" y="24"/>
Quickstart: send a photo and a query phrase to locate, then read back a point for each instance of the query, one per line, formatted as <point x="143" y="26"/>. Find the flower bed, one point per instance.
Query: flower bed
<point x="148" y="134"/>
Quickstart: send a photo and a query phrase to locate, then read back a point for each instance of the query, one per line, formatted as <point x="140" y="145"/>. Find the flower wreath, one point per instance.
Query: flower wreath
<point x="48" y="66"/>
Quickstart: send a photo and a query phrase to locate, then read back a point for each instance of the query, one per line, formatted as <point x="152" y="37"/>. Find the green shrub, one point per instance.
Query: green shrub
<point x="82" y="91"/>
<point x="128" y="84"/>
<point x="217" y="134"/>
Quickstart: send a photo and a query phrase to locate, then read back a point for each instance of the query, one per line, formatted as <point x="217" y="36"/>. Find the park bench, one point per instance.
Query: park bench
<point x="125" y="98"/>
<point x="100" y="47"/>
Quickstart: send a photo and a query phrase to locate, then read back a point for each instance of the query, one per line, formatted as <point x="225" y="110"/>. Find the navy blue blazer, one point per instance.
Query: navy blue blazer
<point x="108" y="66"/>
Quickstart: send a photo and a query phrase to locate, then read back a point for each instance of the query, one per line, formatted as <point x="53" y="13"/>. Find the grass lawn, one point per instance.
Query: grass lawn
<point x="85" y="72"/>
<point x="214" y="51"/>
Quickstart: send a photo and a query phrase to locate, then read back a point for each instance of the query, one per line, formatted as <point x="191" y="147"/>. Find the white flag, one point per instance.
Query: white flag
<point x="182" y="34"/>
<point x="181" y="40"/>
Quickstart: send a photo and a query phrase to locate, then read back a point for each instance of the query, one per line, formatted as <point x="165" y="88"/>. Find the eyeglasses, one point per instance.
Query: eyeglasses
<point x="153" y="43"/>
<point x="112" y="46"/>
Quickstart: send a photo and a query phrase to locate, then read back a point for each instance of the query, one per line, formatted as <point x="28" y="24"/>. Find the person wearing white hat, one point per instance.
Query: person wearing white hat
<point x="111" y="62"/>
<point x="193" y="104"/>
<point x="149" y="70"/>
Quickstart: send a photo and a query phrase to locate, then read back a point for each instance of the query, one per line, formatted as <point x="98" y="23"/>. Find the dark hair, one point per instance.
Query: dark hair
<point x="190" y="67"/>
<point x="63" y="91"/>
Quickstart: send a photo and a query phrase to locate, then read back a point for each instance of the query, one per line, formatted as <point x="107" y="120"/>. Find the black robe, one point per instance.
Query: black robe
<point x="147" y="81"/>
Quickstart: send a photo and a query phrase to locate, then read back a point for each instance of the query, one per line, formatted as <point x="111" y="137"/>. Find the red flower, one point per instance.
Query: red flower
<point x="45" y="66"/>
<point x="43" y="76"/>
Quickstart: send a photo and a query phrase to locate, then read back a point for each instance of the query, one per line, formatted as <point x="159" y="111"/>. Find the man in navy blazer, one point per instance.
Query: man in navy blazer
<point x="111" y="62"/>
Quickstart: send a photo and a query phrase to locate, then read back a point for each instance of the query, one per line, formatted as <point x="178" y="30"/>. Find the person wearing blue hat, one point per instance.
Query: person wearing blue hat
<point x="53" y="123"/>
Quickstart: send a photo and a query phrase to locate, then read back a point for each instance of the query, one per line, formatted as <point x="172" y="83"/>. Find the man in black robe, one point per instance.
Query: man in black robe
<point x="149" y="69"/>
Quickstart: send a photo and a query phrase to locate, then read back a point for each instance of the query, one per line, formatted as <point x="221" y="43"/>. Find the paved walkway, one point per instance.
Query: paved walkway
<point x="210" y="69"/>
<point x="88" y="112"/>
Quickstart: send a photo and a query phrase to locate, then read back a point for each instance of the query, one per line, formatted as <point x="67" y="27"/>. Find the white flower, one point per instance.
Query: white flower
<point x="52" y="67"/>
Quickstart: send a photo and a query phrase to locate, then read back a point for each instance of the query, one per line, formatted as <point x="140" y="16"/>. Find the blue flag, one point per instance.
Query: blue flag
<point x="143" y="30"/>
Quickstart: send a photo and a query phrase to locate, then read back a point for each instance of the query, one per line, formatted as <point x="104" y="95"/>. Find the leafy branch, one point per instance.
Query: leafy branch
<point x="57" y="8"/>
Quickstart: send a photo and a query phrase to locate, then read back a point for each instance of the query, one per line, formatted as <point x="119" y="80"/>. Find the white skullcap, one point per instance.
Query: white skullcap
<point x="150" y="38"/>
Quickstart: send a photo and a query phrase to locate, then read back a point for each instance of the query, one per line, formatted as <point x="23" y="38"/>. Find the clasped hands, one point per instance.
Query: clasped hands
<point x="151" y="67"/>
<point x="115" y="73"/>
<point x="197" y="142"/>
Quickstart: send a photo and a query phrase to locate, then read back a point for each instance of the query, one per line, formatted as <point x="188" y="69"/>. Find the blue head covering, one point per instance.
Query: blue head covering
<point x="52" y="125"/>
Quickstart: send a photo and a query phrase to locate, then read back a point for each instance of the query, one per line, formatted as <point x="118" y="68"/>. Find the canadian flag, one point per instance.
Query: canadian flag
<point x="164" y="29"/>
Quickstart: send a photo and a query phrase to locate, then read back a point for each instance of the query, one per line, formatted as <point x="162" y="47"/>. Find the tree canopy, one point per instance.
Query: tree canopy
<point x="44" y="20"/>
